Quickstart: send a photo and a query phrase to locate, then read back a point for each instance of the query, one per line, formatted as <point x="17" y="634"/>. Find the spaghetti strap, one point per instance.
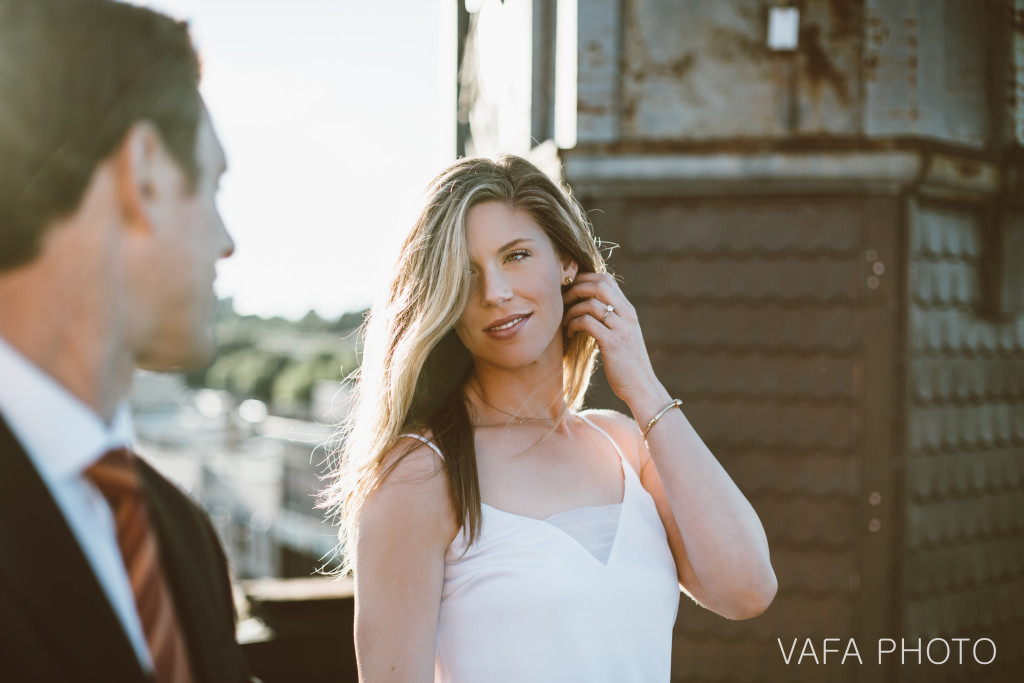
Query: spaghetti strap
<point x="607" y="436"/>
<point x="426" y="441"/>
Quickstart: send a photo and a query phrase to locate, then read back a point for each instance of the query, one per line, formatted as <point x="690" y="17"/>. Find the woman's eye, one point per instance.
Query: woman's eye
<point x="517" y="255"/>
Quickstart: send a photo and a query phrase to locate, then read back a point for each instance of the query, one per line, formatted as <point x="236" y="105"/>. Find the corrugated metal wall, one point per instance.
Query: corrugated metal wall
<point x="964" y="540"/>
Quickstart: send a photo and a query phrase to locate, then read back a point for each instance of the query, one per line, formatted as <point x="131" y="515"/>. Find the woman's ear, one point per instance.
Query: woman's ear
<point x="569" y="270"/>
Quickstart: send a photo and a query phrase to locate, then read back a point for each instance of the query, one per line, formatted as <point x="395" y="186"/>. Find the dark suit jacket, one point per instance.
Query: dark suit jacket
<point x="55" y="621"/>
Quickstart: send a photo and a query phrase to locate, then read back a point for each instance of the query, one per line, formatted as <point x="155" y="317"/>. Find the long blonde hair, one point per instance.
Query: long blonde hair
<point x="414" y="367"/>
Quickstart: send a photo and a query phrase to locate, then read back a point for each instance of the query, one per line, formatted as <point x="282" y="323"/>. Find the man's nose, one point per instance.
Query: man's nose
<point x="227" y="241"/>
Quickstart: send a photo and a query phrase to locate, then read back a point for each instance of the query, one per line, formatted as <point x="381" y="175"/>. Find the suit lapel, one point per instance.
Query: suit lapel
<point x="189" y="575"/>
<point x="41" y="561"/>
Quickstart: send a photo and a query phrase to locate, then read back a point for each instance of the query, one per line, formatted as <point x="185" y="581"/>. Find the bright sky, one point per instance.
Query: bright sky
<point x="334" y="116"/>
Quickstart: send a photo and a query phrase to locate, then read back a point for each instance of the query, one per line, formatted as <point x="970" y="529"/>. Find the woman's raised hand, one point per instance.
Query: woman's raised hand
<point x="596" y="305"/>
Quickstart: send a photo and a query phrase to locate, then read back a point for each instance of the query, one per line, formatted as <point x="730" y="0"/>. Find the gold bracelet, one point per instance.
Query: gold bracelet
<point x="676" y="403"/>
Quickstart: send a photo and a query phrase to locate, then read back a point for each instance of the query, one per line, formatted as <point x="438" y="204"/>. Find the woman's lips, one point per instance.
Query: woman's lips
<point x="508" y="329"/>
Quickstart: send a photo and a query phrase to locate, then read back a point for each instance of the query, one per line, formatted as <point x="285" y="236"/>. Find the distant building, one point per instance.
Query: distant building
<point x="258" y="480"/>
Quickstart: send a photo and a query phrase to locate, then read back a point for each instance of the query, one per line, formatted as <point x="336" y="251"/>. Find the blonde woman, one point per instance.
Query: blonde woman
<point x="496" y="532"/>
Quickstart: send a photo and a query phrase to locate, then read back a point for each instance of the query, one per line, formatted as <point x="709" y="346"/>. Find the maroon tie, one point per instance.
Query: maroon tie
<point x="118" y="480"/>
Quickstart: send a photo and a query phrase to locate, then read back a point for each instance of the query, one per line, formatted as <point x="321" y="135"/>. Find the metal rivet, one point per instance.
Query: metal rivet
<point x="878" y="268"/>
<point x="875" y="498"/>
<point x="872" y="282"/>
<point x="874" y="526"/>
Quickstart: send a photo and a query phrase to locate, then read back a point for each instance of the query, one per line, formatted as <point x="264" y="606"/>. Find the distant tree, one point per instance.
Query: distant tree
<point x="276" y="360"/>
<point x="294" y="384"/>
<point x="312" y="321"/>
<point x="350" y="320"/>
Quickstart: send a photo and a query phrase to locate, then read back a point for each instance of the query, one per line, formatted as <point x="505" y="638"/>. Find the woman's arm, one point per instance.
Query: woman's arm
<point x="722" y="558"/>
<point x="717" y="541"/>
<point x="401" y="535"/>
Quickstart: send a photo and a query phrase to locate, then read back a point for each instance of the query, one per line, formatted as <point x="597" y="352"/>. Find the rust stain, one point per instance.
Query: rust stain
<point x="729" y="45"/>
<point x="870" y="67"/>
<point x="846" y="18"/>
<point x="818" y="67"/>
<point x="966" y="169"/>
<point x="878" y="31"/>
<point x="585" y="109"/>
<point x="629" y="109"/>
<point x="682" y="66"/>
<point x="677" y="69"/>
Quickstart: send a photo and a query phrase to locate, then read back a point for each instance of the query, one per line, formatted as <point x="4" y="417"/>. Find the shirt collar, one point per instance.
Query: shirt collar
<point x="61" y="435"/>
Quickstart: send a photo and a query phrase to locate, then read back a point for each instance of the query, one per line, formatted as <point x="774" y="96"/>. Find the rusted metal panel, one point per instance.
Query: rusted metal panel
<point x="926" y="70"/>
<point x="702" y="70"/>
<point x="659" y="173"/>
<point x="598" y="96"/>
<point x="892" y="101"/>
<point x="952" y="57"/>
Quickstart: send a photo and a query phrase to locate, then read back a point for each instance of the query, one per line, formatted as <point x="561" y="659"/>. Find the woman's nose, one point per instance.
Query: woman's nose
<point x="496" y="289"/>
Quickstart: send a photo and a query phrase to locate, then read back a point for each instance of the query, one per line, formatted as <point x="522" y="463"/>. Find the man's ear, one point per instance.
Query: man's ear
<point x="138" y="163"/>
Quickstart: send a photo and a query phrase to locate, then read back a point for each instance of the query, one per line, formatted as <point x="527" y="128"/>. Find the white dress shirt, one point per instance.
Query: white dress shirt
<point x="63" y="437"/>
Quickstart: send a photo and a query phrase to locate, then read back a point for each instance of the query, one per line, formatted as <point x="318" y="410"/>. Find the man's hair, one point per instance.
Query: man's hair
<point x="74" y="76"/>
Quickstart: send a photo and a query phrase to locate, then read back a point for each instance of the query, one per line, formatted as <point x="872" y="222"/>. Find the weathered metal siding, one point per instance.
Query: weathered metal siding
<point x="927" y="69"/>
<point x="684" y="71"/>
<point x="757" y="314"/>
<point x="683" y="62"/>
<point x="964" y="569"/>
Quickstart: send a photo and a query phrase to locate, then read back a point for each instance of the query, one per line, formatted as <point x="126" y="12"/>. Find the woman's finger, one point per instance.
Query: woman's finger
<point x="595" y="290"/>
<point x="600" y="289"/>
<point x="589" y="324"/>
<point x="595" y="308"/>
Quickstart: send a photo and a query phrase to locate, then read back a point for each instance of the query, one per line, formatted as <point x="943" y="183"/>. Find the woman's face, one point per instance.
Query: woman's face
<point x="514" y="313"/>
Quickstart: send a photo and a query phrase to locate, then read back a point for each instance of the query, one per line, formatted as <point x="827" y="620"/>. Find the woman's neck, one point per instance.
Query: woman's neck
<point x="521" y="395"/>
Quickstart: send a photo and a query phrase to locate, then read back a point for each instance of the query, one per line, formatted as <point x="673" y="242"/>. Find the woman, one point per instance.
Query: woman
<point x="497" y="534"/>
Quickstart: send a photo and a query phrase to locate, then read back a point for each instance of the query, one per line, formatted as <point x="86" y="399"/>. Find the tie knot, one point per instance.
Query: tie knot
<point x="114" y="475"/>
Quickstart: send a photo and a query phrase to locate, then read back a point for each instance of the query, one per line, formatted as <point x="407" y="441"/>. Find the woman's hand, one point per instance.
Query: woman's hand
<point x="618" y="335"/>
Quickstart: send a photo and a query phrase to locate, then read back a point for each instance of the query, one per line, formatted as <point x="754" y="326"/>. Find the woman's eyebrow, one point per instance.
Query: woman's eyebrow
<point x="512" y="244"/>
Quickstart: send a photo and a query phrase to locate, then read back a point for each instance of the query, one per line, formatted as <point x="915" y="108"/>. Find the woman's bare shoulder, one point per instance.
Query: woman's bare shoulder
<point x="413" y="498"/>
<point x="621" y="428"/>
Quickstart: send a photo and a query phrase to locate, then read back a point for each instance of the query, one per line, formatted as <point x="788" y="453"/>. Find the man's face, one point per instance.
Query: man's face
<point x="176" y="275"/>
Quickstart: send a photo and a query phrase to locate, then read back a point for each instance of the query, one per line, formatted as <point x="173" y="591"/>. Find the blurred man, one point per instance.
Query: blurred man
<point x="109" y="236"/>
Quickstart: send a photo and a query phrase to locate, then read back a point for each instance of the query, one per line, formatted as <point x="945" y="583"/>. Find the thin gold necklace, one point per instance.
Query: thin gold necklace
<point x="515" y="418"/>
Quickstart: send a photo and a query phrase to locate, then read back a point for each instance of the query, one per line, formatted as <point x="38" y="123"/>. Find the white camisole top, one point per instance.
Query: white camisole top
<point x="532" y="600"/>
